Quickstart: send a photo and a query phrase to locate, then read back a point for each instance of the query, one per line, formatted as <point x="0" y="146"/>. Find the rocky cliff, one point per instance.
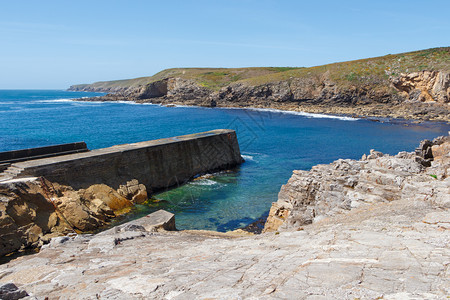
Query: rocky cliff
<point x="327" y="190"/>
<point x="413" y="85"/>
<point x="33" y="210"/>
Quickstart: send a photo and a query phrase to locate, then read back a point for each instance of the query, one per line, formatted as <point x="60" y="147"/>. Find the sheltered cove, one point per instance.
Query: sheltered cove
<point x="392" y="244"/>
<point x="81" y="192"/>
<point x="375" y="228"/>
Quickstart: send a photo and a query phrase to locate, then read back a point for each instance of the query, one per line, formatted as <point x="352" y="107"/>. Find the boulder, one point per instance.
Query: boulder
<point x="107" y="195"/>
<point x="133" y="191"/>
<point x="160" y="220"/>
<point x="34" y="210"/>
<point x="10" y="291"/>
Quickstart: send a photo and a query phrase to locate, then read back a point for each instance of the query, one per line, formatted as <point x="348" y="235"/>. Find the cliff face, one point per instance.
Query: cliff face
<point x="326" y="190"/>
<point x="425" y="86"/>
<point x="412" y="85"/>
<point x="313" y="90"/>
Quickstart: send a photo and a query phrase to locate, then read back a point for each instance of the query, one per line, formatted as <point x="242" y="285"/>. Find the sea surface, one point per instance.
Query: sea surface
<point x="273" y="144"/>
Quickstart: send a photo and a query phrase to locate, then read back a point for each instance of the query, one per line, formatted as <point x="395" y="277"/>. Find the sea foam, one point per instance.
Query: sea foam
<point x="297" y="113"/>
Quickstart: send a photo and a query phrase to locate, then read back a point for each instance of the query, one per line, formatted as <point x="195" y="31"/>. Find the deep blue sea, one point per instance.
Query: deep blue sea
<point x="273" y="144"/>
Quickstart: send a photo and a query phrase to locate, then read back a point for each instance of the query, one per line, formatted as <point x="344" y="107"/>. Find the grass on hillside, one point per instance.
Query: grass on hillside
<point x="370" y="70"/>
<point x="358" y="72"/>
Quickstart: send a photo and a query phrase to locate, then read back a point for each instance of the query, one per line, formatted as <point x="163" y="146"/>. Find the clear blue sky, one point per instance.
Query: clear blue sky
<point x="53" y="44"/>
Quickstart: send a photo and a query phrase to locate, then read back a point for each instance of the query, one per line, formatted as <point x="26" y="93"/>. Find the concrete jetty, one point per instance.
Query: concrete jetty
<point x="157" y="164"/>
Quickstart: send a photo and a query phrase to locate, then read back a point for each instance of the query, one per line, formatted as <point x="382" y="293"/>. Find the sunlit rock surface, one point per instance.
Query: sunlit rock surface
<point x="386" y="239"/>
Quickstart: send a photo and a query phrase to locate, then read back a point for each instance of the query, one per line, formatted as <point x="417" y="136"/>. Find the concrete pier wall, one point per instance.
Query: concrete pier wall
<point x="157" y="164"/>
<point x="42" y="152"/>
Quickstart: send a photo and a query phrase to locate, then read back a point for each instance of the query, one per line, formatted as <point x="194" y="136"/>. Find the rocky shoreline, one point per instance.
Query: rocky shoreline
<point x="422" y="96"/>
<point x="417" y="113"/>
<point x="376" y="228"/>
<point x="328" y="190"/>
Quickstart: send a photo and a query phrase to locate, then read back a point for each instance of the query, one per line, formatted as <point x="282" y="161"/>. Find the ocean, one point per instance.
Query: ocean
<point x="273" y="143"/>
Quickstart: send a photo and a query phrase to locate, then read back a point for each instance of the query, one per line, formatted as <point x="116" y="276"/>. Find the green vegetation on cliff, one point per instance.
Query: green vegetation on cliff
<point x="370" y="70"/>
<point x="213" y="78"/>
<point x="357" y="73"/>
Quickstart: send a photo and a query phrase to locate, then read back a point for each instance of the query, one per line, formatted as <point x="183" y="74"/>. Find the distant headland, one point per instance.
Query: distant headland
<point x="413" y="85"/>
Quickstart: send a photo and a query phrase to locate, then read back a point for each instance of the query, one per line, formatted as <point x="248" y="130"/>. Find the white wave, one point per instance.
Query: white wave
<point x="88" y="102"/>
<point x="271" y="110"/>
<point x="113" y="102"/>
<point x="127" y="102"/>
<point x="72" y="102"/>
<point x="170" y="105"/>
<point x="247" y="157"/>
<point x="298" y="113"/>
<point x="202" y="176"/>
<point x="53" y="101"/>
<point x="322" y="116"/>
<point x="123" y="102"/>
<point x="204" y="181"/>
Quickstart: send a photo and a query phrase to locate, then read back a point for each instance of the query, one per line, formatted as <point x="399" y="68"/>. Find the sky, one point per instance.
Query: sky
<point x="54" y="44"/>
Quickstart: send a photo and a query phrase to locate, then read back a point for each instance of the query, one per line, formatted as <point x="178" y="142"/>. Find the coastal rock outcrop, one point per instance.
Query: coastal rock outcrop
<point x="386" y="250"/>
<point x="413" y="85"/>
<point x="33" y="210"/>
<point x="184" y="89"/>
<point x="155" y="89"/>
<point x="134" y="191"/>
<point x="419" y="95"/>
<point x="345" y="184"/>
<point x="424" y="86"/>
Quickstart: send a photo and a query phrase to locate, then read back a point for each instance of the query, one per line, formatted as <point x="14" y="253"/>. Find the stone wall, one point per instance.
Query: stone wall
<point x="42" y="152"/>
<point x="157" y="164"/>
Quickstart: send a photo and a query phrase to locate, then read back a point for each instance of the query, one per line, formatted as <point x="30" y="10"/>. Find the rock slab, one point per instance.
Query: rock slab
<point x="371" y="229"/>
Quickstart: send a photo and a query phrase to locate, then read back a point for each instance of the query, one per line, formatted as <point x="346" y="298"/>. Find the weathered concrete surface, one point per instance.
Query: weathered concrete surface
<point x="157" y="164"/>
<point x="42" y="152"/>
<point x="396" y="250"/>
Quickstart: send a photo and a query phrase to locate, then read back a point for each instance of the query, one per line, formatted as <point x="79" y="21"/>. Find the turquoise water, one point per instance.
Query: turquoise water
<point x="273" y="144"/>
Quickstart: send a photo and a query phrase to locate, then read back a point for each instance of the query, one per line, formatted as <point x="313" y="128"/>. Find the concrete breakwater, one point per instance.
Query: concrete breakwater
<point x="44" y="198"/>
<point x="157" y="164"/>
